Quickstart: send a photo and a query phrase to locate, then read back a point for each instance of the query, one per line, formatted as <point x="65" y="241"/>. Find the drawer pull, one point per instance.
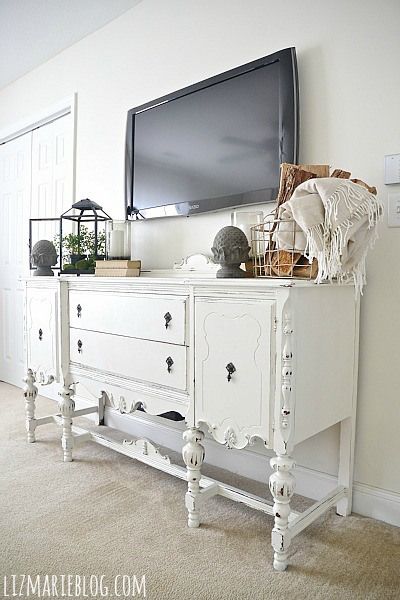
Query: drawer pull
<point x="168" y="319"/>
<point x="80" y="346"/>
<point x="79" y="311"/>
<point x="40" y="334"/>
<point x="169" y="362"/>
<point x="230" y="367"/>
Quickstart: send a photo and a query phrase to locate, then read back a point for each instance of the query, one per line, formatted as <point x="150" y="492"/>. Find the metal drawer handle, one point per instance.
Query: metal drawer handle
<point x="79" y="311"/>
<point x="169" y="362"/>
<point x="230" y="367"/>
<point x="168" y="319"/>
<point x="80" y="346"/>
<point x="40" y="334"/>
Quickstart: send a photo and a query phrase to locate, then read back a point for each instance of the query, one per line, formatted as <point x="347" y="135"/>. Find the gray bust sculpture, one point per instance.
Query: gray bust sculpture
<point x="43" y="257"/>
<point x="230" y="249"/>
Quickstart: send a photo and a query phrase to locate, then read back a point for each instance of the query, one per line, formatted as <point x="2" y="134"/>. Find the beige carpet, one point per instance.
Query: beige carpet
<point x="105" y="514"/>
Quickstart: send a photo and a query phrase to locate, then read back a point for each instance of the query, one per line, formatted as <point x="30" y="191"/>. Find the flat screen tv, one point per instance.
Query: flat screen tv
<point x="215" y="144"/>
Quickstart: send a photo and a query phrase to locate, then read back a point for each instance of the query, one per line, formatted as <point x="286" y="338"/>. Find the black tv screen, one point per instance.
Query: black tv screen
<point x="215" y="144"/>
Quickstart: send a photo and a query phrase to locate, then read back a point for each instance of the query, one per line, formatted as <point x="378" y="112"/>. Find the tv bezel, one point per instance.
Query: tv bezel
<point x="288" y="135"/>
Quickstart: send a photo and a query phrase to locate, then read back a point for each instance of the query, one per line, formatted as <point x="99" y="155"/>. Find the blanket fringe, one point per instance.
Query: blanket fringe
<point x="327" y="241"/>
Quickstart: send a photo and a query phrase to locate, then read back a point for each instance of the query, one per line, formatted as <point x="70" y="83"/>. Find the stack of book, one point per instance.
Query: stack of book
<point x="117" y="268"/>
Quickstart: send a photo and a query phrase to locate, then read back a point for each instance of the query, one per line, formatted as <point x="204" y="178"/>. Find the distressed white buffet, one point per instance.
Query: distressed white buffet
<point x="274" y="360"/>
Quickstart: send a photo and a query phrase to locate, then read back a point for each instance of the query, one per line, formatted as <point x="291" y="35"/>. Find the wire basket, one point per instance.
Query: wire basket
<point x="274" y="250"/>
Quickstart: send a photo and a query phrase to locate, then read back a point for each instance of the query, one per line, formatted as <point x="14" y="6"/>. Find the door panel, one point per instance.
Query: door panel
<point x="35" y="181"/>
<point x="41" y="328"/>
<point x="51" y="175"/>
<point x="234" y="369"/>
<point x="15" y="187"/>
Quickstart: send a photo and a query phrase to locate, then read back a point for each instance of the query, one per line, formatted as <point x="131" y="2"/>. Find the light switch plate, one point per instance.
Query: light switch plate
<point x="394" y="210"/>
<point x="392" y="168"/>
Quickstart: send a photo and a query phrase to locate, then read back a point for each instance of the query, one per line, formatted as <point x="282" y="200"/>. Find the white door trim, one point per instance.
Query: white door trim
<point x="55" y="111"/>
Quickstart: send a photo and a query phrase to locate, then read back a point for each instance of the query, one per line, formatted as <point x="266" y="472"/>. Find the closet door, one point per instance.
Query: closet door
<point x="51" y="175"/>
<point x="15" y="193"/>
<point x="35" y="182"/>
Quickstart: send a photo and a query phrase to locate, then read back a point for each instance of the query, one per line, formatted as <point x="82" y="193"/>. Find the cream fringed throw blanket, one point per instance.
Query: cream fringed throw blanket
<point x="335" y="222"/>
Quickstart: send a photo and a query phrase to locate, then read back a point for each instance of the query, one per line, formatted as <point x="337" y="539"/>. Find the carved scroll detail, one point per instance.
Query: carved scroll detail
<point x="146" y="448"/>
<point x="286" y="416"/>
<point x="125" y="407"/>
<point x="230" y="438"/>
<point x="43" y="377"/>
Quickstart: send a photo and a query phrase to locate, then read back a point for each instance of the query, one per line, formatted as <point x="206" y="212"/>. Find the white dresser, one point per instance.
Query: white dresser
<point x="274" y="360"/>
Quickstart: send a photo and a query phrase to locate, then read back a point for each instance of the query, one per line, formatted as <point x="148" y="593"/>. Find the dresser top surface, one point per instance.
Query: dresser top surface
<point x="170" y="282"/>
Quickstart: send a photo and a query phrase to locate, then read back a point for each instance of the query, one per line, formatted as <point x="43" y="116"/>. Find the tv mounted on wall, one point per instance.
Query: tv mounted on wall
<point x="215" y="144"/>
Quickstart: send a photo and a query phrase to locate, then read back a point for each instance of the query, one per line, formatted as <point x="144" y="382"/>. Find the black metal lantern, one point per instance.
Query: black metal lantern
<point x="79" y="251"/>
<point x="45" y="228"/>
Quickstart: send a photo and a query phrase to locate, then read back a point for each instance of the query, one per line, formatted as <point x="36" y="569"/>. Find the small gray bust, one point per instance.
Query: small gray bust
<point x="230" y="249"/>
<point x="43" y="257"/>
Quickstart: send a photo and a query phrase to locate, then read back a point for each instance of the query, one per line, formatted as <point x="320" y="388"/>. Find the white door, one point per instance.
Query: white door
<point x="51" y="175"/>
<point x="35" y="181"/>
<point x="15" y="190"/>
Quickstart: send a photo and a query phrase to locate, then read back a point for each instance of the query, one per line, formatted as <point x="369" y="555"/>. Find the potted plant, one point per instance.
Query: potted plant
<point x="79" y="251"/>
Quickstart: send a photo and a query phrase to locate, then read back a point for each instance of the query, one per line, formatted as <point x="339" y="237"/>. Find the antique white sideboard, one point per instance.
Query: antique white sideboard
<point x="274" y="360"/>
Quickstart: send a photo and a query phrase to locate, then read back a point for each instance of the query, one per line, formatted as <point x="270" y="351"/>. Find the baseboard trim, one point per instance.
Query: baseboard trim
<point x="253" y="463"/>
<point x="376" y="503"/>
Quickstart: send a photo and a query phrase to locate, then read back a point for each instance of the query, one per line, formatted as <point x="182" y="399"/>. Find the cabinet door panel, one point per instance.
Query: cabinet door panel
<point x="42" y="347"/>
<point x="233" y="369"/>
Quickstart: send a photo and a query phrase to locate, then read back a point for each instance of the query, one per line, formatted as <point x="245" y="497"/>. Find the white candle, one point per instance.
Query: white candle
<point x="245" y="221"/>
<point x="116" y="244"/>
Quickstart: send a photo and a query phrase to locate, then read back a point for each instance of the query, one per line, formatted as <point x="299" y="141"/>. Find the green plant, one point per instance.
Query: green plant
<point x="81" y="247"/>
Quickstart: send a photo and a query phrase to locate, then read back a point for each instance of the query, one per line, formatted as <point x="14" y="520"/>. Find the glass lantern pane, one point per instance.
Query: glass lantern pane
<point x="118" y="240"/>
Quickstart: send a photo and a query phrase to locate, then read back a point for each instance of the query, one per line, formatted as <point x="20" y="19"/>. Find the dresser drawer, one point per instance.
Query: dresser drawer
<point x="154" y="362"/>
<point x="140" y="316"/>
<point x="234" y="369"/>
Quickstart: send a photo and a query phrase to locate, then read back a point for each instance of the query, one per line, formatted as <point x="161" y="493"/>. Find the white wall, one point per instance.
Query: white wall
<point x="348" y="54"/>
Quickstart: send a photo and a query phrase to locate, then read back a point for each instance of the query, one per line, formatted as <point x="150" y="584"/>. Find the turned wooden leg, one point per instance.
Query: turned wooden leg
<point x="30" y="393"/>
<point x="193" y="455"/>
<point x="67" y="407"/>
<point x="281" y="485"/>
